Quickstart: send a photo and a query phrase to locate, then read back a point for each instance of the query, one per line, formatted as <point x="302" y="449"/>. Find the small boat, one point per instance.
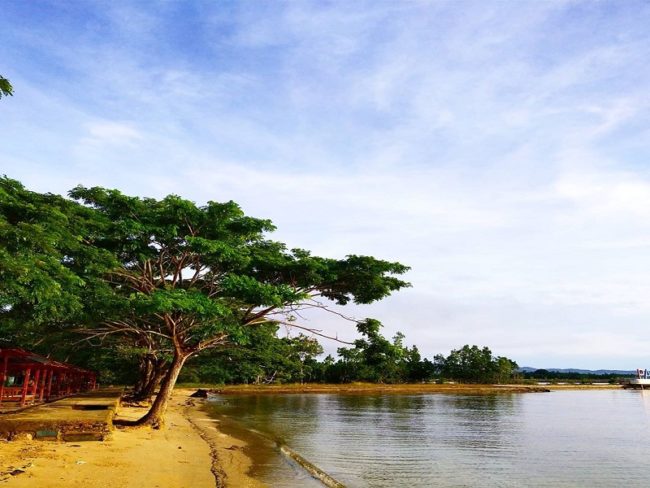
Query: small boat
<point x="641" y="381"/>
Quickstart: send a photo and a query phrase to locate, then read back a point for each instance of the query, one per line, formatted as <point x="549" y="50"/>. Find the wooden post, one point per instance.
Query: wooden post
<point x="3" y="376"/>
<point x="37" y="378"/>
<point x="26" y="377"/>
<point x="49" y="386"/>
<point x="54" y="390"/>
<point x="46" y="373"/>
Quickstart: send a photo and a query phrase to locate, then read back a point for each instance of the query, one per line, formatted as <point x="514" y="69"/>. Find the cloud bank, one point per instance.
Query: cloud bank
<point x="498" y="149"/>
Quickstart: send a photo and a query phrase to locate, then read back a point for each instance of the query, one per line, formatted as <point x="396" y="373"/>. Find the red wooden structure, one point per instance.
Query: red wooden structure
<point x="27" y="378"/>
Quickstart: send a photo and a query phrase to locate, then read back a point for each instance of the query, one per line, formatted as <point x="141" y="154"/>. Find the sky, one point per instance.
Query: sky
<point x="501" y="149"/>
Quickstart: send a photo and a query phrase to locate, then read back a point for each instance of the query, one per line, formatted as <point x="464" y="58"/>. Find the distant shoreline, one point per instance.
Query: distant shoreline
<point x="601" y="386"/>
<point x="372" y="388"/>
<point x="411" y="388"/>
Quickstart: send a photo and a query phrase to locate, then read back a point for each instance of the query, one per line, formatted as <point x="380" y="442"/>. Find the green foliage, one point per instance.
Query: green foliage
<point x="261" y="358"/>
<point x="269" y="359"/>
<point x="545" y="375"/>
<point x="248" y="289"/>
<point x="5" y="87"/>
<point x="376" y="359"/>
<point x="47" y="263"/>
<point x="161" y="301"/>
<point x="472" y="364"/>
<point x="416" y="368"/>
<point x="199" y="275"/>
<point x="304" y="349"/>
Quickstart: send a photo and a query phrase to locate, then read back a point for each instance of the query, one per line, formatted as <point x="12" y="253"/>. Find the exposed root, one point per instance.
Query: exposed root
<point x="129" y="402"/>
<point x="140" y="423"/>
<point x="126" y="423"/>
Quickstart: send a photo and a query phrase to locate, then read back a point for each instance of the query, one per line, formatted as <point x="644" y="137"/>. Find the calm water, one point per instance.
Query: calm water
<point x="570" y="438"/>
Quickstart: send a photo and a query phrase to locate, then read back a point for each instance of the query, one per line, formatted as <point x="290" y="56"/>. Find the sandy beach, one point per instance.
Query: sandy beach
<point x="189" y="452"/>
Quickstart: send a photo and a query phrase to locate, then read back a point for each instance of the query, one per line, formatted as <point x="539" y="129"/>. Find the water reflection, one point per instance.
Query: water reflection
<point x="579" y="438"/>
<point x="645" y="397"/>
<point x="480" y="423"/>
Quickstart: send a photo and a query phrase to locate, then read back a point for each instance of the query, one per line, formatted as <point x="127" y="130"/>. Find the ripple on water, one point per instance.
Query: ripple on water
<point x="568" y="439"/>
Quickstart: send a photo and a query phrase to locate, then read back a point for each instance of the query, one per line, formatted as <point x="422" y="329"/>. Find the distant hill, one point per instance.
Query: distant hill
<point x="528" y="369"/>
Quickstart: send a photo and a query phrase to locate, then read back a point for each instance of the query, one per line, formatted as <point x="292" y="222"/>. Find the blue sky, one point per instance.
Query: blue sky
<point x="499" y="148"/>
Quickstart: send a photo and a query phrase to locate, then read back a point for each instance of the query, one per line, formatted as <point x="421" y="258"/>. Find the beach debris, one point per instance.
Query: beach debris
<point x="312" y="469"/>
<point x="22" y="436"/>
<point x="15" y="472"/>
<point x="81" y="462"/>
<point x="12" y="471"/>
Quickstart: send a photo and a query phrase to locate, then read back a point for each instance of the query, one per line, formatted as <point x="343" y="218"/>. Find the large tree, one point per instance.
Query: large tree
<point x="197" y="277"/>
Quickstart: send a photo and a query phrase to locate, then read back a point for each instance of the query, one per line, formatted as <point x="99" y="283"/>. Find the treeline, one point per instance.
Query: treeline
<point x="372" y="358"/>
<point x="556" y="376"/>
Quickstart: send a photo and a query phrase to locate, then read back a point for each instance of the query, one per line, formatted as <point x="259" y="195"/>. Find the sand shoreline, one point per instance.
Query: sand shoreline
<point x="229" y="463"/>
<point x="188" y="452"/>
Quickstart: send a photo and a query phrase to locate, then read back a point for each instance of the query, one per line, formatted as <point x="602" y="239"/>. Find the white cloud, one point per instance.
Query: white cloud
<point x="608" y="194"/>
<point x="112" y="133"/>
<point x="501" y="152"/>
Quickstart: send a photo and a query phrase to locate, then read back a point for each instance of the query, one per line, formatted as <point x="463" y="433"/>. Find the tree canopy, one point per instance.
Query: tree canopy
<point x="197" y="277"/>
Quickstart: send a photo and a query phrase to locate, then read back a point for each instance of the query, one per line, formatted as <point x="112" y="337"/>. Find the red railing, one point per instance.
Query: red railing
<point x="26" y="377"/>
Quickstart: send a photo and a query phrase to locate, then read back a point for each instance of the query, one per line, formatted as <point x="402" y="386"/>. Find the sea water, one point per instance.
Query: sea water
<point x="558" y="439"/>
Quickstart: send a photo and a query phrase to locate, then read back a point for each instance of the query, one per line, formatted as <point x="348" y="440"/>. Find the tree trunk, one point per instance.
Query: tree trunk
<point x="146" y="369"/>
<point x="156" y="415"/>
<point x="152" y="382"/>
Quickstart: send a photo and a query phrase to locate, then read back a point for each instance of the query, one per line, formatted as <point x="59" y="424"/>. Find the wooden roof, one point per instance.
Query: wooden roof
<point x="19" y="358"/>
